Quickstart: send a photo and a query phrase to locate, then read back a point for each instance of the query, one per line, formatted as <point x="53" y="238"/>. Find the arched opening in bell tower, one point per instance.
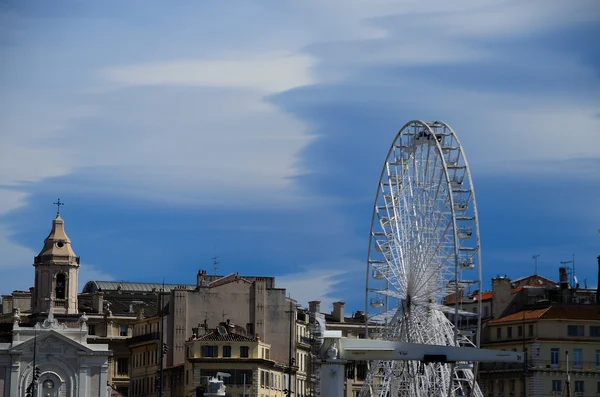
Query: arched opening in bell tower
<point x="59" y="291"/>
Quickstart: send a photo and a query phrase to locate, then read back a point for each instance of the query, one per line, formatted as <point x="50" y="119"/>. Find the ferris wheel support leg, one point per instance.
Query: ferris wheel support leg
<point x="332" y="378"/>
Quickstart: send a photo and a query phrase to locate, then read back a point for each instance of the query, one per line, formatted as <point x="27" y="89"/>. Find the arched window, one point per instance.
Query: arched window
<point x="60" y="286"/>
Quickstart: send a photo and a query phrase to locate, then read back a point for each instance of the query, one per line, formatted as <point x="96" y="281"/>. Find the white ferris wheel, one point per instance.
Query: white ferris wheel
<point x="424" y="251"/>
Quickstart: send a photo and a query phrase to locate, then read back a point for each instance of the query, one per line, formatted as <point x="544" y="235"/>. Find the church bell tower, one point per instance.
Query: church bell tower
<point x="56" y="272"/>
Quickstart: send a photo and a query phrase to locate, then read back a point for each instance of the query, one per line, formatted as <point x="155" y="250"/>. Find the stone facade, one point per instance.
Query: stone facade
<point x="67" y="365"/>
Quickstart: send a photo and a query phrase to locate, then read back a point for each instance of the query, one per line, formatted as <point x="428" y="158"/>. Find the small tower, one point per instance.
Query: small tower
<point x="56" y="272"/>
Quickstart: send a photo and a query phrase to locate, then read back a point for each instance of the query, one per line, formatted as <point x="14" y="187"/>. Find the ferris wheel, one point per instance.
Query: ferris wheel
<point x="424" y="262"/>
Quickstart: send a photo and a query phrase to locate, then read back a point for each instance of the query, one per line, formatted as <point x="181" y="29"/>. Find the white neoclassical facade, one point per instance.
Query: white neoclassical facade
<point x="67" y="365"/>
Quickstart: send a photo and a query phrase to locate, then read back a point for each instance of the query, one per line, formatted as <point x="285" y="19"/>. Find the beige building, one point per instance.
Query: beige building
<point x="259" y="310"/>
<point x="248" y="360"/>
<point x="554" y="337"/>
<point x="554" y="323"/>
<point x="144" y="357"/>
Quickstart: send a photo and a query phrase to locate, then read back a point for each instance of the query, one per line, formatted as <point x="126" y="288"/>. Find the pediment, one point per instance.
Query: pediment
<point x="51" y="342"/>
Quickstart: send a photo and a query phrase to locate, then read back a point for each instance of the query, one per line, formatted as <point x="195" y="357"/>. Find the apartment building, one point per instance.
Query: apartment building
<point x="247" y="360"/>
<point x="555" y="338"/>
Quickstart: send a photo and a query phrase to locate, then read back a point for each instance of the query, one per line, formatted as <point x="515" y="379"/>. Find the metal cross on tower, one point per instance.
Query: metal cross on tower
<point x="58" y="204"/>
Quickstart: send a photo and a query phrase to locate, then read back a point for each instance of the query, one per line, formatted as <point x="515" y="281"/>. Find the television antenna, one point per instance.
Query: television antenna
<point x="215" y="264"/>
<point x="534" y="257"/>
<point x="572" y="262"/>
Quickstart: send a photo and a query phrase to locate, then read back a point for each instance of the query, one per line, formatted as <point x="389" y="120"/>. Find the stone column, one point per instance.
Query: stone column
<point x="84" y="375"/>
<point x="14" y="378"/>
<point x="103" y="381"/>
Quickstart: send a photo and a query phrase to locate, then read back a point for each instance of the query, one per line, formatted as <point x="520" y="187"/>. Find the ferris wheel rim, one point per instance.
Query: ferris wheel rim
<point x="432" y="128"/>
<point x="427" y="126"/>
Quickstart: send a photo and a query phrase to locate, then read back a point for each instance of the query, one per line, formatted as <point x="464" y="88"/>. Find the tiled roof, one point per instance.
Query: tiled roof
<point x="215" y="336"/>
<point x="127" y="286"/>
<point x="228" y="279"/>
<point x="484" y="297"/>
<point x="534" y="280"/>
<point x="554" y="312"/>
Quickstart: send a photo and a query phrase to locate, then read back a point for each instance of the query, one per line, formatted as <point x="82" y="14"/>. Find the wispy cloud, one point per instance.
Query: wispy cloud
<point x="261" y="72"/>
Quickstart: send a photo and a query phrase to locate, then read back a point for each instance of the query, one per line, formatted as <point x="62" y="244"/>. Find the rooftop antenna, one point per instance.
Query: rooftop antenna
<point x="215" y="264"/>
<point x="535" y="259"/>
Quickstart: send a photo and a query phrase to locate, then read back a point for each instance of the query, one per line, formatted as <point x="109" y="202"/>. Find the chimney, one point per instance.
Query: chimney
<point x="563" y="278"/>
<point x="338" y="312"/>
<point x="201" y="279"/>
<point x="500" y="296"/>
<point x="314" y="306"/>
<point x="32" y="292"/>
<point x="98" y="302"/>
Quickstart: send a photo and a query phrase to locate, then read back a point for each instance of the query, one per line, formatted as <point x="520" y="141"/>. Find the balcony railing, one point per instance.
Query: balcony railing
<point x="151" y="336"/>
<point x="533" y="364"/>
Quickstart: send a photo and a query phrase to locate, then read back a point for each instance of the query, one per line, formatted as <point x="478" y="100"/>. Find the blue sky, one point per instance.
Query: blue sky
<point x="256" y="131"/>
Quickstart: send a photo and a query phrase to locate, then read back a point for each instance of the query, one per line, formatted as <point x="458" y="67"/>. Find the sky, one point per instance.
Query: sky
<point x="256" y="131"/>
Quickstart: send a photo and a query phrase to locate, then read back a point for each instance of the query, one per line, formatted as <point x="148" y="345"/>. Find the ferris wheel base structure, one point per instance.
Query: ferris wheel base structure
<point x="341" y="350"/>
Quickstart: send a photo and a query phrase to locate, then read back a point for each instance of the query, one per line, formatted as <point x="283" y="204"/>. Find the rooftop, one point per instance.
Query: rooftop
<point x="224" y="336"/>
<point x="554" y="312"/>
<point x="129" y="286"/>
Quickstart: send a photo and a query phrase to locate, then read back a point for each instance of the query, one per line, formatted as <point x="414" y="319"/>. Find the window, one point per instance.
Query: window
<point x="210" y="351"/>
<point x="530" y="329"/>
<point x="501" y="386"/>
<point x="577" y="358"/>
<point x="509" y="332"/>
<point x="579" y="386"/>
<point x="486" y="311"/>
<point x="267" y="354"/>
<point x="512" y="385"/>
<point x="244" y="351"/>
<point x="598" y="387"/>
<point x="595" y="331"/>
<point x="597" y="359"/>
<point x="123" y="330"/>
<point x="519" y="330"/>
<point x="226" y="351"/>
<point x="575" y="330"/>
<point x="60" y="286"/>
<point x="91" y="329"/>
<point x="556" y="385"/>
<point x="122" y="365"/>
<point x="554" y="354"/>
<point x="187" y="376"/>
<point x="498" y="333"/>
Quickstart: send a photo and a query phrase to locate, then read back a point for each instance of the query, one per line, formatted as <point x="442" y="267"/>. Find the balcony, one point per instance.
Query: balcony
<point x="151" y="336"/>
<point x="541" y="365"/>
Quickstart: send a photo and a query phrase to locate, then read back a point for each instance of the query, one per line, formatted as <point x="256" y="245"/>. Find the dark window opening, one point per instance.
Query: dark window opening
<point x="226" y="351"/>
<point x="60" y="286"/>
<point x="244" y="351"/>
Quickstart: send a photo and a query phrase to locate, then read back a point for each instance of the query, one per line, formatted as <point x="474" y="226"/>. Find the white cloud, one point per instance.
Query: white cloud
<point x="313" y="284"/>
<point x="261" y="72"/>
<point x="88" y="272"/>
